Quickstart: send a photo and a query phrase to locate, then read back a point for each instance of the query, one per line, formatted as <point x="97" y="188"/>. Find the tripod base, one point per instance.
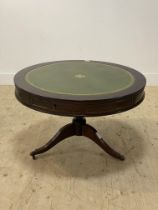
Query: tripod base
<point x="78" y="127"/>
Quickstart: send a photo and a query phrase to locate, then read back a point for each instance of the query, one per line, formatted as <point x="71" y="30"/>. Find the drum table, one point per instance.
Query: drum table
<point x="79" y="89"/>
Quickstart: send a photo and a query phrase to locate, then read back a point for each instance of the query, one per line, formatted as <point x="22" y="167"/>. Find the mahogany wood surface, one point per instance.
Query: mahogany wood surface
<point x="96" y="105"/>
<point x="79" y="106"/>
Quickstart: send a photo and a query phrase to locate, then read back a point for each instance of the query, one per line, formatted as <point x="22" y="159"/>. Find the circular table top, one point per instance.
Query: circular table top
<point x="80" y="78"/>
<point x="77" y="81"/>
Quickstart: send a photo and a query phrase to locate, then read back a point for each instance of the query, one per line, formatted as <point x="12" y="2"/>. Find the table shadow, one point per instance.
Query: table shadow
<point x="79" y="156"/>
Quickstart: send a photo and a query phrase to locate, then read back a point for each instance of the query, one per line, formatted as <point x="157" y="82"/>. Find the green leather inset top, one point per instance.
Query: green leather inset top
<point x="80" y="78"/>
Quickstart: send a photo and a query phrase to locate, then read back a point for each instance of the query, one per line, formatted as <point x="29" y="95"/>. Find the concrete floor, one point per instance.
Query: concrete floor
<point x="77" y="174"/>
